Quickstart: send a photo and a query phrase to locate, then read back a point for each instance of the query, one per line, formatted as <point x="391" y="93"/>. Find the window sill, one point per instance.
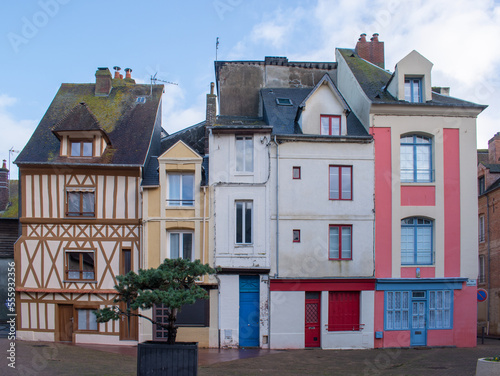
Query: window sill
<point x="79" y="281"/>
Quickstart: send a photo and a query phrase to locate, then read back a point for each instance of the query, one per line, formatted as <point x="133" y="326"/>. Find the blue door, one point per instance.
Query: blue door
<point x="418" y="323"/>
<point x="249" y="311"/>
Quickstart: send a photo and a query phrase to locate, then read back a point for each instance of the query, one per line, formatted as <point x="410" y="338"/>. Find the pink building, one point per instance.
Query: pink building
<point x="425" y="198"/>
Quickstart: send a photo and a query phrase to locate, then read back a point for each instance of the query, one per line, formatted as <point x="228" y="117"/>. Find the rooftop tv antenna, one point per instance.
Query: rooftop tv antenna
<point x="154" y="80"/>
<point x="216" y="47"/>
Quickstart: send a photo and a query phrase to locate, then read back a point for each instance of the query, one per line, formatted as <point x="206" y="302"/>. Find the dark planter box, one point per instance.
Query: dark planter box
<point x="160" y="358"/>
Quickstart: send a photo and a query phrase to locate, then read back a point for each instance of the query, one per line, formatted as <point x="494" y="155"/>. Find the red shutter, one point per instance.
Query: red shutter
<point x="343" y="311"/>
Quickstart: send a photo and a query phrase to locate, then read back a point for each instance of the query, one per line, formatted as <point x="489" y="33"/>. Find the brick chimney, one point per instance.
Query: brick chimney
<point x="494" y="149"/>
<point x="103" y="82"/>
<point x="372" y="51"/>
<point x="4" y="186"/>
<point x="117" y="73"/>
<point x="211" y="112"/>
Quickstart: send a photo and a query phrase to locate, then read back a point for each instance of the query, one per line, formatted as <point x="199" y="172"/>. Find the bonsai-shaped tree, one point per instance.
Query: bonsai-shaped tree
<point x="172" y="284"/>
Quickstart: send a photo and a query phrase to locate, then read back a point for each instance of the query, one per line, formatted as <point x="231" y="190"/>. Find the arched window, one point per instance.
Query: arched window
<point x="416" y="159"/>
<point x="416" y="241"/>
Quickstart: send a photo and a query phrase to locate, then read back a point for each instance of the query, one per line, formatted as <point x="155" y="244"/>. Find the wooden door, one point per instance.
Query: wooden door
<point x="313" y="320"/>
<point x="249" y="311"/>
<point x="128" y="326"/>
<point x="66" y="323"/>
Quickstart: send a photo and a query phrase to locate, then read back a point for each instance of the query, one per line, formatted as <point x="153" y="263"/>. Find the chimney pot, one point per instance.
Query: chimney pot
<point x="4" y="166"/>
<point x="103" y="82"/>
<point x="117" y="71"/>
<point x="372" y="51"/>
<point x="128" y="73"/>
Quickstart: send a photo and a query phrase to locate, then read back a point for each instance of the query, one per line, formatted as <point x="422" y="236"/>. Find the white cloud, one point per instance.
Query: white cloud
<point x="175" y="115"/>
<point x="14" y="133"/>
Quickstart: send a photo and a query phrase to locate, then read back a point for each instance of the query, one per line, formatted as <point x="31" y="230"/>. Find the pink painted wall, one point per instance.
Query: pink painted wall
<point x="411" y="272"/>
<point x="418" y="196"/>
<point x="451" y="175"/>
<point x="465" y="317"/>
<point x="383" y="202"/>
<point x="378" y="320"/>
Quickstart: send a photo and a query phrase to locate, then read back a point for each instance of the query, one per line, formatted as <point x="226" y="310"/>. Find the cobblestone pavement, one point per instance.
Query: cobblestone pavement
<point x="48" y="359"/>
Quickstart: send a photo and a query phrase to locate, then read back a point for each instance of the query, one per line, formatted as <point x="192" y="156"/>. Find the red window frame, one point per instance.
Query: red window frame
<point x="340" y="227"/>
<point x="339" y="168"/>
<point x="296" y="239"/>
<point x="343" y="311"/>
<point x="330" y="130"/>
<point x="296" y="169"/>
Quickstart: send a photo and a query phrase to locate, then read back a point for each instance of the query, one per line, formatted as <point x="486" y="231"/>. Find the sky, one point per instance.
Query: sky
<point x="44" y="43"/>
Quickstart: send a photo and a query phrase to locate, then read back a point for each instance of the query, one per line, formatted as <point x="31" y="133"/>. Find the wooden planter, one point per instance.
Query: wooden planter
<point x="487" y="368"/>
<point x="159" y="358"/>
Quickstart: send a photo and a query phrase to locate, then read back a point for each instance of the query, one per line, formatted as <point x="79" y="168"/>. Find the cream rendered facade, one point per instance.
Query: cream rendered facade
<point x="304" y="266"/>
<point x="160" y="219"/>
<point x="239" y="260"/>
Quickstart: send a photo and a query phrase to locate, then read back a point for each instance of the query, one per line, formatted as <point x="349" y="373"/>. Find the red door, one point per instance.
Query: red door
<point x="312" y="328"/>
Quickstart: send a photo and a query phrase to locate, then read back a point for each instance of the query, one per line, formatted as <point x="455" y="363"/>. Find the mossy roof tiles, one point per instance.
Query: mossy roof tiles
<point x="373" y="80"/>
<point x="128" y="124"/>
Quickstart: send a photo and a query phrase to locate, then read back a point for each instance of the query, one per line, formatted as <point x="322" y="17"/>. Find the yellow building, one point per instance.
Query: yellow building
<point x="176" y="217"/>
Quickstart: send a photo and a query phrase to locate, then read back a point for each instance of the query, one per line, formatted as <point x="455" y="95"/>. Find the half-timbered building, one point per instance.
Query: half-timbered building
<point x="81" y="175"/>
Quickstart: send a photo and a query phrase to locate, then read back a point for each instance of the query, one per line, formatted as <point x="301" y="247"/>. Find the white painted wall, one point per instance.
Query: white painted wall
<point x="304" y="205"/>
<point x="363" y="339"/>
<point x="287" y="319"/>
<point x="229" y="302"/>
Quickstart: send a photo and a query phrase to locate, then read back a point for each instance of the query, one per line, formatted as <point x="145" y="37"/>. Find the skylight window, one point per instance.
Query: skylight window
<point x="284" y="101"/>
<point x="141" y="100"/>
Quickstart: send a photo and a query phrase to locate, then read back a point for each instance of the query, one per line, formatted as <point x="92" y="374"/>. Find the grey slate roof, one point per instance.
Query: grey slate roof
<point x="373" y="80"/>
<point x="129" y="125"/>
<point x="193" y="136"/>
<point x="493" y="167"/>
<point x="283" y="118"/>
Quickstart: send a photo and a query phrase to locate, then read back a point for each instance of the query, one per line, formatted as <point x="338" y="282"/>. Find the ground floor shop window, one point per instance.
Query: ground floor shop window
<point x="343" y="311"/>
<point x="191" y="315"/>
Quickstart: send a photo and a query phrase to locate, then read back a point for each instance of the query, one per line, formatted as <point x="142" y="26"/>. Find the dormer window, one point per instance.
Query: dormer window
<point x="413" y="90"/>
<point x="81" y="148"/>
<point x="330" y="125"/>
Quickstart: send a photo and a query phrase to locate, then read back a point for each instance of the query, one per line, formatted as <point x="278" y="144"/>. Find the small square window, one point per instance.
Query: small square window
<point x="296" y="172"/>
<point x="296" y="236"/>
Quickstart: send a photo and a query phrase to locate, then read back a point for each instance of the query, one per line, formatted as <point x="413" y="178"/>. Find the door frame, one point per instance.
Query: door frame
<point x="318" y="301"/>
<point x="242" y="290"/>
<point x="61" y="325"/>
<point x="413" y="343"/>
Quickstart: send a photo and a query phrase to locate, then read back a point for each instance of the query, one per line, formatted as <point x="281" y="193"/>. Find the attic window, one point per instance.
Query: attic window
<point x="81" y="148"/>
<point x="141" y="100"/>
<point x="284" y="101"/>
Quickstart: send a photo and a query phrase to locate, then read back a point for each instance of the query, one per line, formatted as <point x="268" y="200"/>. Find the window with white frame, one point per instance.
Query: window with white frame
<point x="244" y="154"/>
<point x="340" y="183"/>
<point x="244" y="222"/>
<point x="340" y="242"/>
<point x="397" y="310"/>
<point x="413" y="89"/>
<point x="416" y="241"/>
<point x="180" y="189"/>
<point x="440" y="309"/>
<point x="481" y="229"/>
<point x="416" y="159"/>
<point x="86" y="319"/>
<point x="181" y="245"/>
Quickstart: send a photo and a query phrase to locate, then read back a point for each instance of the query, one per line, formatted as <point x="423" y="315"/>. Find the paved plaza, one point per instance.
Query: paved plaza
<point x="49" y="359"/>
